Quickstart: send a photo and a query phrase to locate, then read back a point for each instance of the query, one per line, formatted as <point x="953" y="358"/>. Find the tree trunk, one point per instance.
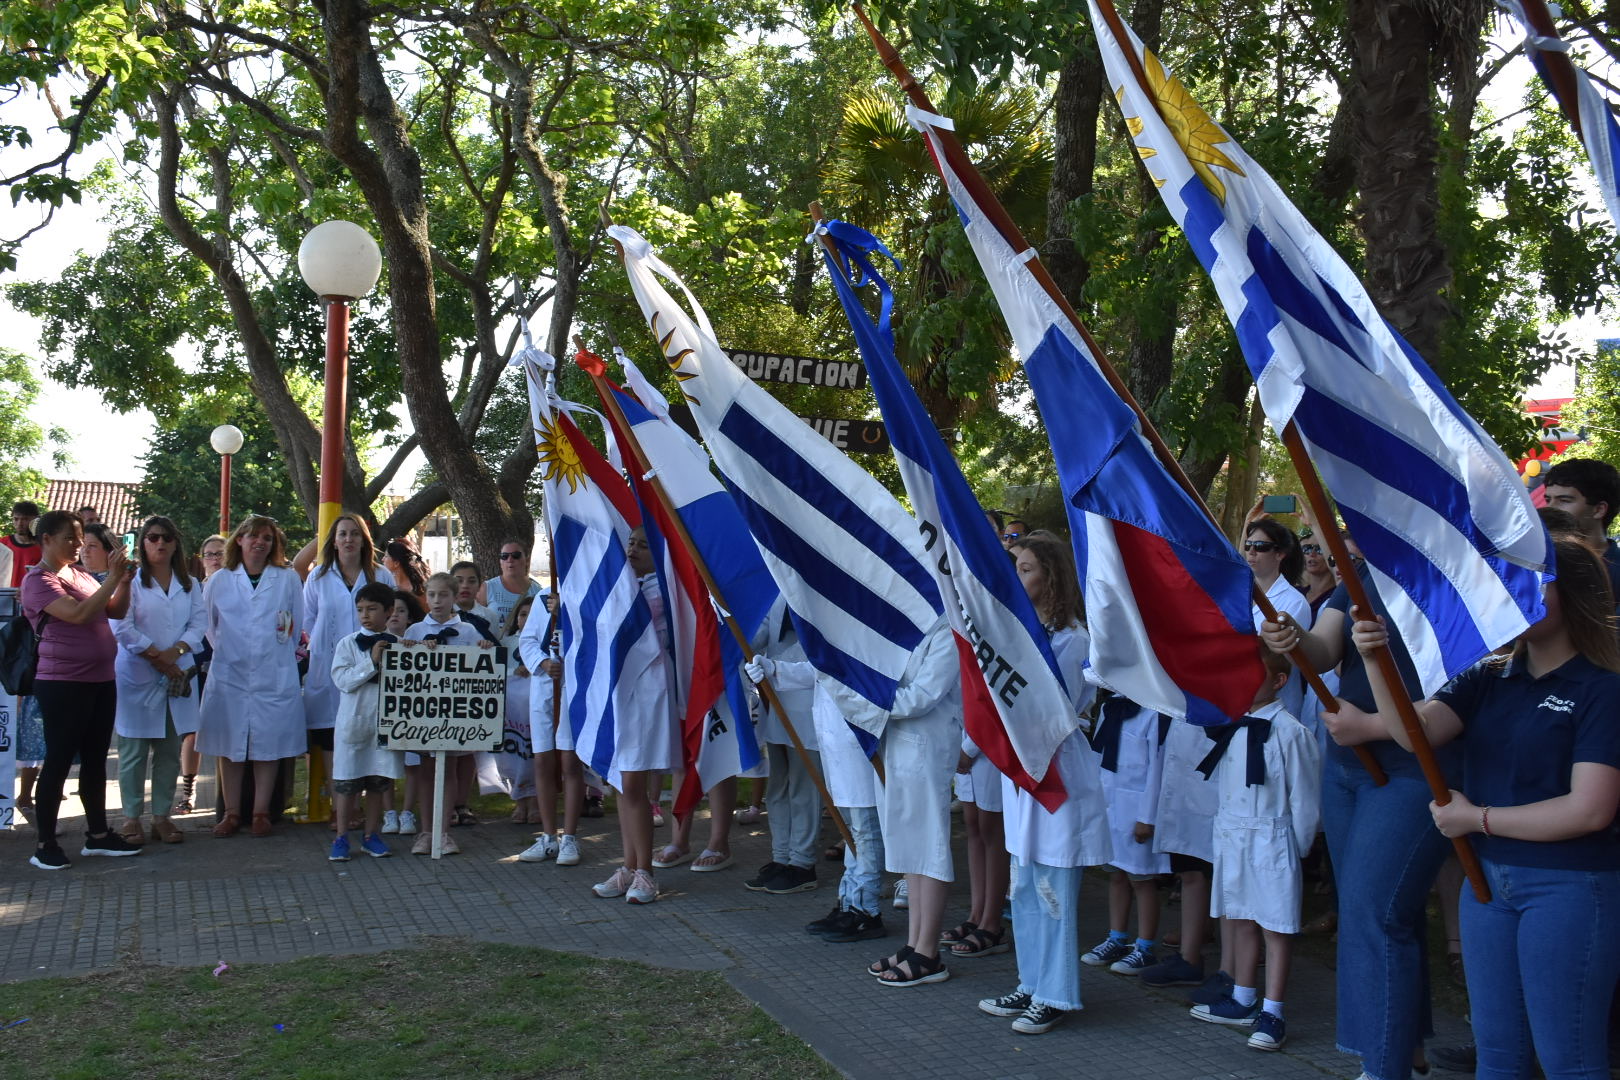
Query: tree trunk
<point x="1074" y="159"/>
<point x="1407" y="264"/>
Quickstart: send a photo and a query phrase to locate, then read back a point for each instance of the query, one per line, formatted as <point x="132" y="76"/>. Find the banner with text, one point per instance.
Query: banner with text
<point x="799" y="370"/>
<point x="441" y="698"/>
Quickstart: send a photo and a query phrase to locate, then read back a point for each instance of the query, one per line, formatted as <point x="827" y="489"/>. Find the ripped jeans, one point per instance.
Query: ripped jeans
<point x="1046" y="921"/>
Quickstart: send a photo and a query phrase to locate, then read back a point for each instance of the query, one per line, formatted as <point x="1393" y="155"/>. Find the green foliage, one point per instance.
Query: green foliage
<point x="1595" y="408"/>
<point x="21" y="436"/>
<point x="181" y="470"/>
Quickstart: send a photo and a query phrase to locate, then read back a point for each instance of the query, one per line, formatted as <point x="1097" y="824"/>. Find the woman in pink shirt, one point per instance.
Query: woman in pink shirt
<point x="74" y="681"/>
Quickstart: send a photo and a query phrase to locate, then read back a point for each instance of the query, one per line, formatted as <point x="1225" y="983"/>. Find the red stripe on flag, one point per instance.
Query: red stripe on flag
<point x="1192" y="638"/>
<point x="983" y="723"/>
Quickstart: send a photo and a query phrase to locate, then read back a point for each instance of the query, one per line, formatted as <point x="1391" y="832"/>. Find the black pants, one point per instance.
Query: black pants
<point x="78" y="721"/>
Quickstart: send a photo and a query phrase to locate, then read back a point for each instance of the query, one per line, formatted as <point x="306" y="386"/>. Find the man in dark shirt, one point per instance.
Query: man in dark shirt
<point x="1589" y="490"/>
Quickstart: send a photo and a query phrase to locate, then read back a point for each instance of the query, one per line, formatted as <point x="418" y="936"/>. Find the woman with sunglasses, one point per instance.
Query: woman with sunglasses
<point x="1272" y="552"/>
<point x="501" y="594"/>
<point x="157" y="699"/>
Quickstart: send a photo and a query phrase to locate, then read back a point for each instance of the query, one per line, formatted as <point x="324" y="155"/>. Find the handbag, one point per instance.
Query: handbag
<point x="19" y="653"/>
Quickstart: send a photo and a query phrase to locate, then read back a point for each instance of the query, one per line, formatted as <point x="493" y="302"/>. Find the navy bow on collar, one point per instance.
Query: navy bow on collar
<point x="1221" y="736"/>
<point x="366" y="641"/>
<point x="442" y="636"/>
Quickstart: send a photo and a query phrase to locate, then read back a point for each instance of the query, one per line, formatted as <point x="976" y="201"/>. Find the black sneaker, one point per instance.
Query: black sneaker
<point x="593" y="806"/>
<point x="859" y="927"/>
<point x="110" y="844"/>
<point x="758" y="882"/>
<point x="791" y="879"/>
<point x="1461" y="1059"/>
<point x="828" y="923"/>
<point x="1037" y="1019"/>
<point x="50" y="857"/>
<point x="1012" y="1004"/>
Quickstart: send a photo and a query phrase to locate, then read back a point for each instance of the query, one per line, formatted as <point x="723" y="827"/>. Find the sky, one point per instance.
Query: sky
<point x="108" y="446"/>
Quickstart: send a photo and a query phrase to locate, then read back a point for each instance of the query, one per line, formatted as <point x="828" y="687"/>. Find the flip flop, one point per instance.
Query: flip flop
<point x="700" y="867"/>
<point x="669" y="856"/>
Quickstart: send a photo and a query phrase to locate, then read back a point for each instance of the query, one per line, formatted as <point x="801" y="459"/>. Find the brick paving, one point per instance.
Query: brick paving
<point x="260" y="900"/>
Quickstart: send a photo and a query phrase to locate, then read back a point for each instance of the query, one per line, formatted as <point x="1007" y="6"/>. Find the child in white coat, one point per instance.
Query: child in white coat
<point x="359" y="765"/>
<point x="1267" y="769"/>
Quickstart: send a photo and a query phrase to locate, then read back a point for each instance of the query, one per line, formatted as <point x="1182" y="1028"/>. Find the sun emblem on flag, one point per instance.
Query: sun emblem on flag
<point x="558" y="457"/>
<point x="1198" y="135"/>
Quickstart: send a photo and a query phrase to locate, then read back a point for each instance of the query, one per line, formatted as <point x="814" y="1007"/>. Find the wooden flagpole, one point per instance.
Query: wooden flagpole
<point x="1324" y="511"/>
<point x="551" y="559"/>
<point x="1560" y="69"/>
<point x="997" y="215"/>
<point x="685" y="539"/>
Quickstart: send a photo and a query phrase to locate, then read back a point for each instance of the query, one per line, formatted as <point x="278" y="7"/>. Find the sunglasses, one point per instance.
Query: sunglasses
<point x="507" y="556"/>
<point x="1010" y="536"/>
<point x="1311" y="549"/>
<point x="213" y="554"/>
<point x="1260" y="545"/>
<point x="161" y="538"/>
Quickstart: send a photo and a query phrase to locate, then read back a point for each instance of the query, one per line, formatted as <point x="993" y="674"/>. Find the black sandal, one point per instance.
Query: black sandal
<point x="877" y="967"/>
<point x="981" y="942"/>
<point x="958" y="933"/>
<point x="918" y="969"/>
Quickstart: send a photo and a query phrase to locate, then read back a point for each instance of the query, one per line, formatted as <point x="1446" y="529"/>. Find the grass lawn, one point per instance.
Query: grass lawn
<point x="452" y="1009"/>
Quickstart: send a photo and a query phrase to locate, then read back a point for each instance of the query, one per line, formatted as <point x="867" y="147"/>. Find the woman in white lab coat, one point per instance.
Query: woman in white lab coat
<point x="348" y="564"/>
<point x="251" y="709"/>
<point x="156" y="673"/>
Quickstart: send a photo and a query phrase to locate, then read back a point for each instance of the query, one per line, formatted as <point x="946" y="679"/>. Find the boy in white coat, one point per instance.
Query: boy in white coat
<point x="1267" y="769"/>
<point x="359" y="765"/>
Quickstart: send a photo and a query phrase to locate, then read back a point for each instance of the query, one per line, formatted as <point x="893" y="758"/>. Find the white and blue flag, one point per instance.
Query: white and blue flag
<point x="847" y="557"/>
<point x="610" y="647"/>
<point x="1452" y="540"/>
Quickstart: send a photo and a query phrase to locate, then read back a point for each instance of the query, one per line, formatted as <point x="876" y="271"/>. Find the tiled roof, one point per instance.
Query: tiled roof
<point x="115" y="502"/>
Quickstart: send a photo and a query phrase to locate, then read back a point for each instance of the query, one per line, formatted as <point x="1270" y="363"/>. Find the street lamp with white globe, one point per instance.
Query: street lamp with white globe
<point x="341" y="262"/>
<point x="226" y="441"/>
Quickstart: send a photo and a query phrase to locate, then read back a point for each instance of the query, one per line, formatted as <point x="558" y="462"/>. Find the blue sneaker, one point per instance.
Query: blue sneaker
<point x="1107" y="952"/>
<point x="1174" y="970"/>
<point x="1269" y="1032"/>
<point x="1212" y="989"/>
<point x="1227" y="1011"/>
<point x="340" y="850"/>
<point x="373" y="845"/>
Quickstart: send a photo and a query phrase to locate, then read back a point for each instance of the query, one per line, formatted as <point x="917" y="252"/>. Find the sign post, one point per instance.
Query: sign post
<point x="441" y="699"/>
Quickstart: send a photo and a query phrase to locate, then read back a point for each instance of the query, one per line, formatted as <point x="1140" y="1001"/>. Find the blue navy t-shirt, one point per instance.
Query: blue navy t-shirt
<point x="1521" y="737"/>
<point x="1354" y="688"/>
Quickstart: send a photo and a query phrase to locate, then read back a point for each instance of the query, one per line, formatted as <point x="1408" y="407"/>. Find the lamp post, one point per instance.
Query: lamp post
<point x="226" y="440"/>
<point x="340" y="262"/>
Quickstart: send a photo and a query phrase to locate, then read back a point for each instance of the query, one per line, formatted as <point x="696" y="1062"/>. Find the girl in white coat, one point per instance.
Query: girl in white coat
<point x="156" y="676"/>
<point x="348" y="564"/>
<point x="251" y="709"/>
<point x="1049" y="850"/>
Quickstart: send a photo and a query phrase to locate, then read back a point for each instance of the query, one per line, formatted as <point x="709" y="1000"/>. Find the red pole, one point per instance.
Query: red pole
<point x="334" y="414"/>
<point x="224" y="494"/>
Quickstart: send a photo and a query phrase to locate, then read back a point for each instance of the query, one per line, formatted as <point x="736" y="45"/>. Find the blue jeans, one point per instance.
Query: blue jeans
<point x="1046" y="918"/>
<point x="860" y="887"/>
<point x="1542" y="957"/>
<point x="1386" y="852"/>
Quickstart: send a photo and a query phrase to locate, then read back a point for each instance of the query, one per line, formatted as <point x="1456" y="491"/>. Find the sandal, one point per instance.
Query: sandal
<point x="711" y="860"/>
<point x="877" y="967"/>
<point x="261" y="824"/>
<point x="981" y="942"/>
<point x="915" y="970"/>
<point x="670" y="855"/>
<point x="229" y="825"/>
<point x="464" y="816"/>
<point x="834" y="853"/>
<point x="958" y="932"/>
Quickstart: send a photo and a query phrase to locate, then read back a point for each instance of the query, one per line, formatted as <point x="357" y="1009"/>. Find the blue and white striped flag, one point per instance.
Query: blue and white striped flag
<point x="610" y="647"/>
<point x="1456" y="550"/>
<point x="1599" y="132"/>
<point x="847" y="557"/>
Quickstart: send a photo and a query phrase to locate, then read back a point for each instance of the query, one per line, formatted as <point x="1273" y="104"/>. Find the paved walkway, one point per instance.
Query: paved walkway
<point x="257" y="900"/>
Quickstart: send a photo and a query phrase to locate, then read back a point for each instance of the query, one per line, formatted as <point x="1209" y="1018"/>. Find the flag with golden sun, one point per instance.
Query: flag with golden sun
<point x="1451" y="538"/>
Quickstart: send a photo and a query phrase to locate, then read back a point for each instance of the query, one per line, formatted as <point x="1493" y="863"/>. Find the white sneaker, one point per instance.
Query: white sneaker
<point x="542" y="849"/>
<point x="390" y="821"/>
<point x="568" y="850"/>
<point x="617" y="885"/>
<point x="901" y="900"/>
<point x="407" y="823"/>
<point x="643" y="890"/>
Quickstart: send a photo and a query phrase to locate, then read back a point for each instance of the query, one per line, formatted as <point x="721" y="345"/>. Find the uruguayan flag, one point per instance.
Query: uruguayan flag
<point x="1454" y="545"/>
<point x="848" y="559"/>
<point x="1599" y="132"/>
<point x="1015" y="708"/>
<point x="611" y="651"/>
<point x="1167" y="597"/>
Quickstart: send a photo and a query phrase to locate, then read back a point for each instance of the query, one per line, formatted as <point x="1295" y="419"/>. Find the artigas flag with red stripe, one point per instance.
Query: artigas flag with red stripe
<point x="717" y="736"/>
<point x="1015" y="707"/>
<point x="1167" y="597"/>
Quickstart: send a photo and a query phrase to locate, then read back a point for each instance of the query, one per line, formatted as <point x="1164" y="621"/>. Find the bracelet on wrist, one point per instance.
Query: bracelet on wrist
<point x="1485" y="820"/>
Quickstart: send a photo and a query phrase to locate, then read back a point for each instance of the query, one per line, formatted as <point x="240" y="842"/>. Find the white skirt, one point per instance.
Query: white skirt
<point x="914" y="807"/>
